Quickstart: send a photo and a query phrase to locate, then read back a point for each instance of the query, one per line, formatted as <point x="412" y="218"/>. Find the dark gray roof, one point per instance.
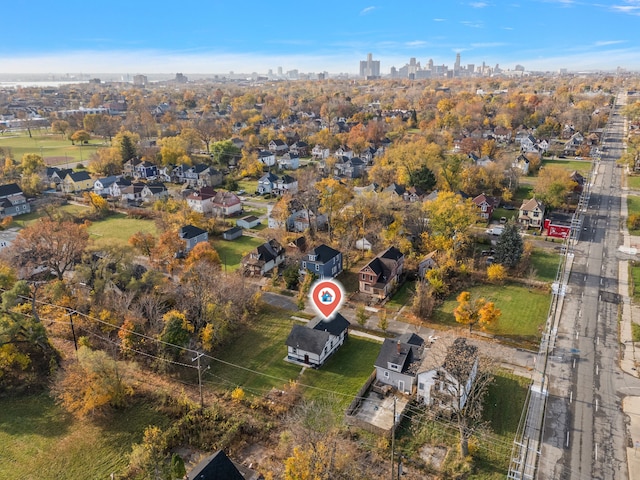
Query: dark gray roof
<point x="216" y="467"/>
<point x="323" y="253"/>
<point x="249" y="218"/>
<point x="189" y="231"/>
<point x="411" y="339"/>
<point x="335" y="325"/>
<point x="307" y="339"/>
<point x="232" y="230"/>
<point x="79" y="176"/>
<point x="9" y="189"/>
<point x="404" y="354"/>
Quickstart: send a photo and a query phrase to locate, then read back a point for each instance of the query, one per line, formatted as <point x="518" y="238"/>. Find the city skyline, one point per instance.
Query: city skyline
<point x="542" y="35"/>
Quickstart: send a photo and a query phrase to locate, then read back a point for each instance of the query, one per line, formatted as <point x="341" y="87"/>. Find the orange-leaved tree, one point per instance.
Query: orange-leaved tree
<point x="475" y="311"/>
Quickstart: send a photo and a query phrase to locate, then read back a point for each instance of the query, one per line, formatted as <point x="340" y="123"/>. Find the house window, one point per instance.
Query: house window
<point x="536" y="214"/>
<point x="294" y="351"/>
<point x="317" y="267"/>
<point x="304" y="265"/>
<point x="421" y="386"/>
<point x="386" y="374"/>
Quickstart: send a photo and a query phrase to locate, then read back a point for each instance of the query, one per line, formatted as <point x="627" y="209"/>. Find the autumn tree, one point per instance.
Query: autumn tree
<point x="173" y="150"/>
<point x="80" y="136"/>
<point x="475" y="311"/>
<point x="333" y="196"/>
<point x="99" y="204"/>
<point x="423" y="301"/>
<point x="496" y="273"/>
<point x="450" y="218"/>
<point x="125" y="143"/>
<point x="105" y="161"/>
<point x="50" y="245"/>
<point x="31" y="163"/>
<point x="144" y="242"/>
<point x="94" y="383"/>
<point x="60" y="126"/>
<point x="176" y="332"/>
<point x="554" y="186"/>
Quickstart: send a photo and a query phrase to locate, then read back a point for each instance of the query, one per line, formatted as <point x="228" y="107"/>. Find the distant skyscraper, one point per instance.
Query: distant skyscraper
<point x="456" y="66"/>
<point x="279" y="71"/>
<point x="370" y="68"/>
<point x="140" y="80"/>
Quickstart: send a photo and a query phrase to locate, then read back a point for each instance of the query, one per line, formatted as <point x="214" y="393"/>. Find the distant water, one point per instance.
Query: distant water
<point x="41" y="83"/>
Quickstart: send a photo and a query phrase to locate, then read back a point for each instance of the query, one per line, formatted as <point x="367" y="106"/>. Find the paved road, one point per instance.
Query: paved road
<point x="585" y="434"/>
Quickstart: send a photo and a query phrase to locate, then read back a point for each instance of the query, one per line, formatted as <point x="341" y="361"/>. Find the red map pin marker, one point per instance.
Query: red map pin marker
<point x="326" y="296"/>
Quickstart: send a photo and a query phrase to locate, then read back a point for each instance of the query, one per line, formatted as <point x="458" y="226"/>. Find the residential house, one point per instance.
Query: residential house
<point x="426" y="264"/>
<point x="278" y="147"/>
<point x="226" y="204"/>
<point x="129" y="167"/>
<point x="320" y="153"/>
<point x="267" y="158"/>
<point x="285" y="184"/>
<point x="76" y="182"/>
<point x="12" y="201"/>
<point x="528" y="144"/>
<point x="102" y="186"/>
<point x="486" y="205"/>
<point x="219" y="467"/>
<point x="201" y="175"/>
<point x="264" y="259"/>
<point x="531" y="213"/>
<point x="154" y="191"/>
<point x="502" y="134"/>
<point x="395" y="190"/>
<point x="363" y="244"/>
<point x="579" y="180"/>
<point x="267" y="183"/>
<point x="248" y="222"/>
<point x="413" y="194"/>
<point x="192" y="236"/>
<point x="299" y="148"/>
<point x="368" y="155"/>
<point x="202" y="201"/>
<point x="145" y="170"/>
<point x="323" y="261"/>
<point x="382" y="274"/>
<point x="313" y="343"/>
<point x="232" y="233"/>
<point x="56" y="175"/>
<point x="349" y="167"/>
<point x="398" y="362"/>
<point x="344" y="151"/>
<point x="133" y="192"/>
<point x="289" y="161"/>
<point x="522" y="164"/>
<point x="572" y="145"/>
<point x="446" y="383"/>
<point x="116" y="187"/>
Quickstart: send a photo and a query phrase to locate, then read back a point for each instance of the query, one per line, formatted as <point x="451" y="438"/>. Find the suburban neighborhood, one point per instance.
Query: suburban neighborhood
<point x="158" y="250"/>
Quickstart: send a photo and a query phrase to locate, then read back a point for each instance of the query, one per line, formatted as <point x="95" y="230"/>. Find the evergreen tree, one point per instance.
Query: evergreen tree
<point x="509" y="247"/>
<point x="127" y="148"/>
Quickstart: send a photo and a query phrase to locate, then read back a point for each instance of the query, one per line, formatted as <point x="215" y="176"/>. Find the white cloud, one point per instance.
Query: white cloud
<point x="488" y="44"/>
<point x="470" y="24"/>
<point x="416" y="43"/>
<point x="439" y="20"/>
<point x="478" y="4"/>
<point x="367" y="10"/>
<point x="604" y="43"/>
<point x="633" y="9"/>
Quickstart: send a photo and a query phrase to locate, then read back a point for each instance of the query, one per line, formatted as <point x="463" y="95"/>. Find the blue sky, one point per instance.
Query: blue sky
<point x="200" y="36"/>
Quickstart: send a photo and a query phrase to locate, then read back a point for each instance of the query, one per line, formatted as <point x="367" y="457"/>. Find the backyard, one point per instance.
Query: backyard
<point x="633" y="206"/>
<point x="231" y="252"/>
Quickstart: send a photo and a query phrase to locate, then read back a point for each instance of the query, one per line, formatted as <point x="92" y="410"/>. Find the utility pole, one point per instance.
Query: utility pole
<point x="197" y="359"/>
<point x="393" y="438"/>
<point x="73" y="331"/>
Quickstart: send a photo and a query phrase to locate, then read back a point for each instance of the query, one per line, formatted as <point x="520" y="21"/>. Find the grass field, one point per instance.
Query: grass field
<point x="231" y="252"/>
<point x="582" y="167"/>
<point x="53" y="148"/>
<point x="546" y="264"/>
<point x="633" y="206"/>
<point x="498" y="213"/>
<point x="402" y="296"/>
<point x="118" y="228"/>
<point x="40" y="441"/>
<point x="29" y="218"/>
<point x="523" y="311"/>
<point x="633" y="182"/>
<point x="635" y="282"/>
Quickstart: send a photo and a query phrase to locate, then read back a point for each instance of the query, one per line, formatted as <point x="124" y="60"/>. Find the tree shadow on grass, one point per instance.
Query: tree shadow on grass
<point x="36" y="414"/>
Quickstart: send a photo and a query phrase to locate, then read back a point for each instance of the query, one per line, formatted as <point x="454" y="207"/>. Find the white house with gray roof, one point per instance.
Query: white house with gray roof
<point x="313" y="343"/>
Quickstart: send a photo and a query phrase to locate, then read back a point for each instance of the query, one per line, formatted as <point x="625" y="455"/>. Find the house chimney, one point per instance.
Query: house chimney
<point x="398" y="346"/>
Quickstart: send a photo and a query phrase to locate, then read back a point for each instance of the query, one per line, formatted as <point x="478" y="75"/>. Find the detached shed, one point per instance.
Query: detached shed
<point x="248" y="222"/>
<point x="232" y="233"/>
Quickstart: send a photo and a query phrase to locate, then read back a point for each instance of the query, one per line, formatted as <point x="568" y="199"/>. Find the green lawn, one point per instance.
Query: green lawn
<point x="524" y="311"/>
<point x="248" y="185"/>
<point x="29" y="218"/>
<point x="633" y="182"/>
<point x="633" y="206"/>
<point x="118" y="228"/>
<point x="345" y="372"/>
<point x="503" y="408"/>
<point x="54" y="149"/>
<point x="259" y="348"/>
<point x="582" y="167"/>
<point x="498" y="213"/>
<point x="523" y="192"/>
<point x="402" y="296"/>
<point x="546" y="264"/>
<point x="41" y="441"/>
<point x="231" y="252"/>
<point x="635" y="279"/>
